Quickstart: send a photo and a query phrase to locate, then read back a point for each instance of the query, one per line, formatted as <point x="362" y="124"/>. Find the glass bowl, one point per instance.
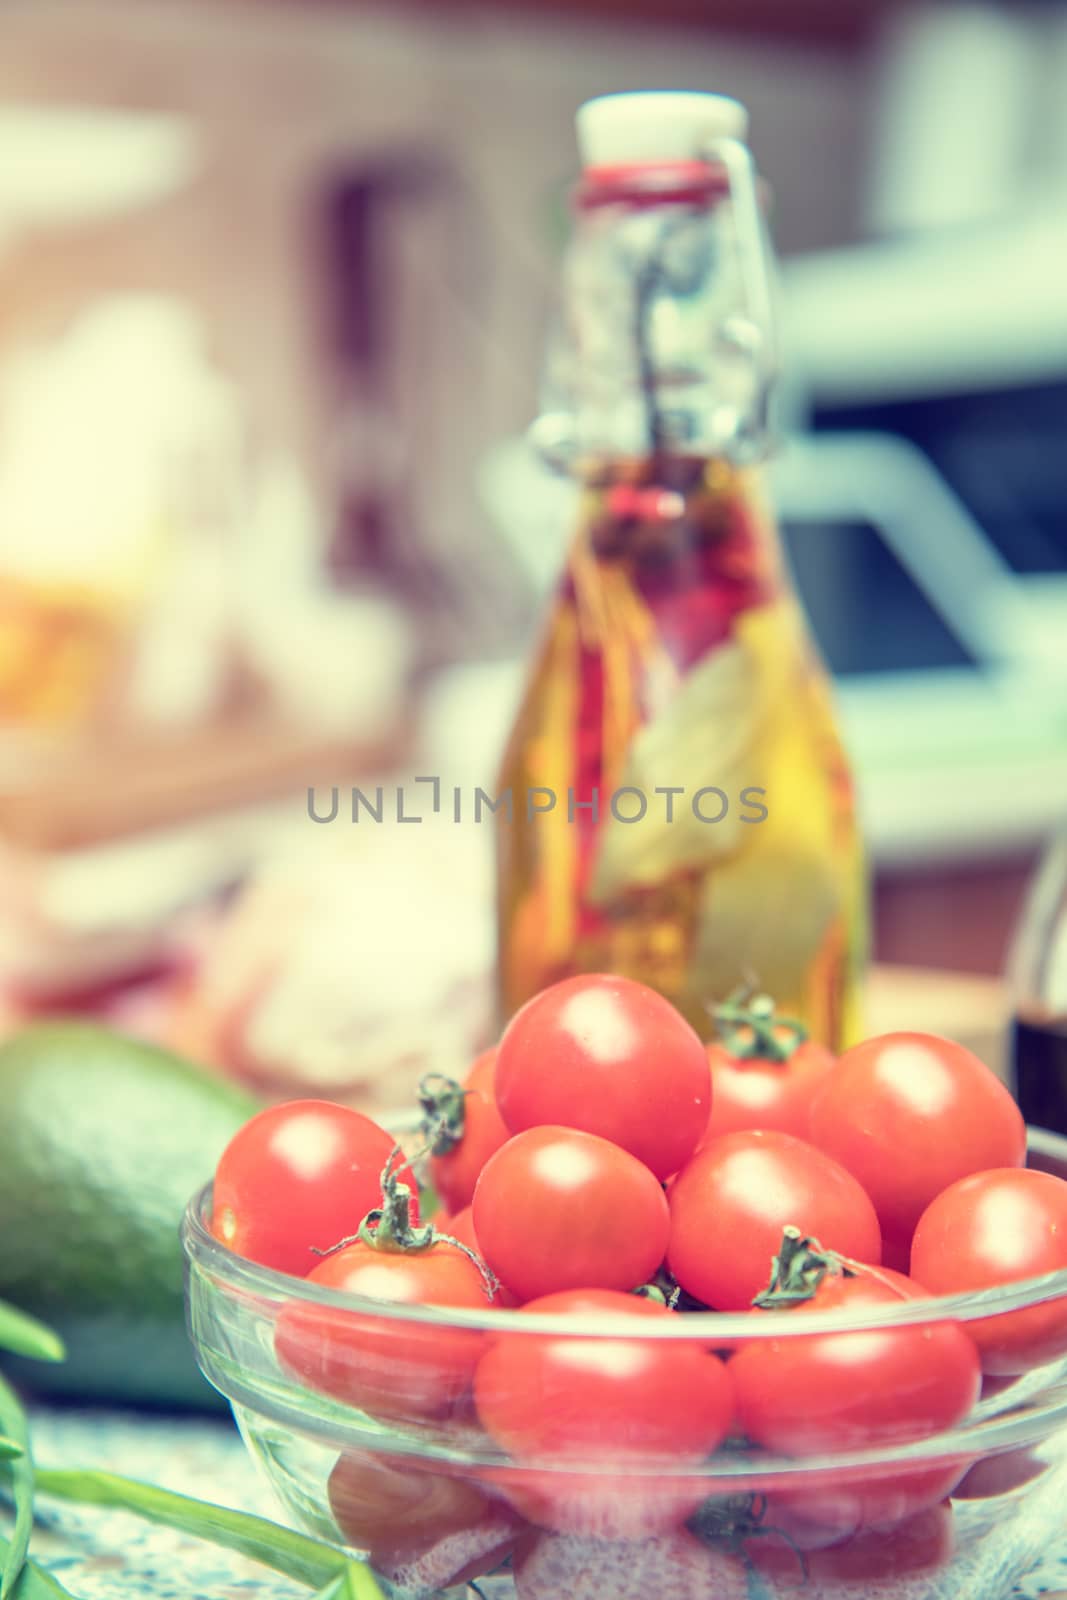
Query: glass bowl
<point x="375" y="1444"/>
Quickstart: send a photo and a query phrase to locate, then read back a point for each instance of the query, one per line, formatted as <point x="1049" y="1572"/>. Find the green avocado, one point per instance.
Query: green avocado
<point x="102" y="1141"/>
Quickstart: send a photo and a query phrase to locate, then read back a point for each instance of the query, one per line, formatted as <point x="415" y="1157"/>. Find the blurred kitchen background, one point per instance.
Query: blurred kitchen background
<point x="274" y="287"/>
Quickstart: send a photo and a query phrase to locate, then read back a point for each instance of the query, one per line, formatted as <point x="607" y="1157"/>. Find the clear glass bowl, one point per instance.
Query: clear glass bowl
<point x="424" y="1494"/>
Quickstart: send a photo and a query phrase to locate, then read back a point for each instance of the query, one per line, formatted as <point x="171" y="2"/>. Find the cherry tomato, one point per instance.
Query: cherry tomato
<point x="559" y="1209"/>
<point x="384" y="1503"/>
<point x="461" y="1227"/>
<point x="458" y="1559"/>
<point x="565" y="1397"/>
<point x="805" y="1395"/>
<point x="393" y="1369"/>
<point x="764" y="1070"/>
<point x="612" y="1057"/>
<point x="838" y="1503"/>
<point x="465" y="1129"/>
<point x="868" y="1562"/>
<point x="730" y="1205"/>
<point x="1001" y="1474"/>
<point x="423" y="1531"/>
<point x="757" y="1093"/>
<point x="908" y="1114"/>
<point x="297" y="1178"/>
<point x="994" y="1228"/>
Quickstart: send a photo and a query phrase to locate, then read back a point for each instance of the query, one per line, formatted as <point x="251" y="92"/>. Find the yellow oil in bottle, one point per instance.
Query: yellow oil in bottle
<point x="681" y="808"/>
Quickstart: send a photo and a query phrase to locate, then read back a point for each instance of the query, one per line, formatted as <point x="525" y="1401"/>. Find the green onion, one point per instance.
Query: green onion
<point x="35" y="1583"/>
<point x="310" y="1561"/>
<point x="14" y="1426"/>
<point x="25" y="1336"/>
<point x="345" y="1585"/>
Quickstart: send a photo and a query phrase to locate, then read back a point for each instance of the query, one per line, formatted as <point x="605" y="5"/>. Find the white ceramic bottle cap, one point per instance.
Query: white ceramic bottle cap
<point x="655" y="125"/>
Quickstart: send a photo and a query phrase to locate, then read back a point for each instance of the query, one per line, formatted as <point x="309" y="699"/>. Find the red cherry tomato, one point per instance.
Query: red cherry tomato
<point x="836" y="1503"/>
<point x="482" y="1075"/>
<point x="867" y="1563"/>
<point x="1001" y="1474"/>
<point x="908" y="1114"/>
<point x="764" y="1070"/>
<point x="564" y="1398"/>
<point x="384" y="1503"/>
<point x="392" y="1369"/>
<point x="994" y="1228"/>
<point x="423" y="1531"/>
<point x="611" y="1057"/>
<point x="558" y="1209"/>
<point x="730" y="1205"/>
<point x="755" y="1092"/>
<point x="471" y="1130"/>
<point x="297" y="1178"/>
<point x="806" y="1395"/>
<point x="461" y="1227"/>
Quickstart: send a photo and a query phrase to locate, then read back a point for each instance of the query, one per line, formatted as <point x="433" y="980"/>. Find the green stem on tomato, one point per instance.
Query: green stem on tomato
<point x="650" y="1291"/>
<point x="733" y="1520"/>
<point x="749" y="1027"/>
<point x="797" y="1271"/>
<point x="443" y="1103"/>
<point x="390" y="1226"/>
<point x="801" y="1266"/>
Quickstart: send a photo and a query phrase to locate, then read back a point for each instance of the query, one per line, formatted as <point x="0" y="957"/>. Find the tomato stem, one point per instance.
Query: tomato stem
<point x="736" y="1518"/>
<point x="443" y="1103"/>
<point x="389" y="1226"/>
<point x="665" y="1288"/>
<point x="650" y="1291"/>
<point x="750" y="1028"/>
<point x="797" y="1271"/>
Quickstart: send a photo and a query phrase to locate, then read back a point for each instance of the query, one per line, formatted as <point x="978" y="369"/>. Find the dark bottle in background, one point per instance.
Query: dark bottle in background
<point x="1038" y="971"/>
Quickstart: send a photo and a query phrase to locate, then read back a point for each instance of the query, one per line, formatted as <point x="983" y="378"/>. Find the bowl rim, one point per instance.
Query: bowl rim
<point x="234" y="1273"/>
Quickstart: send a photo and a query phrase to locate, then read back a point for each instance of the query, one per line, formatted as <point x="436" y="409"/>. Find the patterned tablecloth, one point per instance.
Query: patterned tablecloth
<point x="102" y="1555"/>
<point x="110" y="1555"/>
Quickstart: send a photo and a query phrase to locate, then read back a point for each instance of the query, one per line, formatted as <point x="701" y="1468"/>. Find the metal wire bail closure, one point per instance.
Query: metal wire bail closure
<point x="754" y="333"/>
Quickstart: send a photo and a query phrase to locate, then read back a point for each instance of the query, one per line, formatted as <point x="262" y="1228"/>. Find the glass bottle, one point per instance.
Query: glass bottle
<point x="1038" y="975"/>
<point x="678" y="805"/>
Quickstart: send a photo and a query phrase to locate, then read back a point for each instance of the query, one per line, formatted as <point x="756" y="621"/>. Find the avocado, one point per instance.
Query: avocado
<point x="103" y="1139"/>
